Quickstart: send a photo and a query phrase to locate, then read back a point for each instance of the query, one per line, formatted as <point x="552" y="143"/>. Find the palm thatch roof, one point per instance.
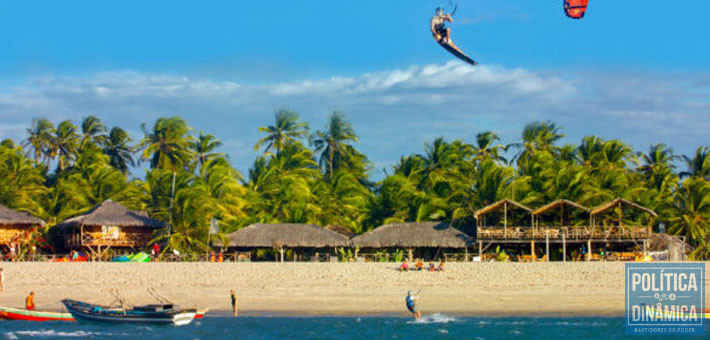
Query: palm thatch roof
<point x="611" y="205"/>
<point x="340" y="230"/>
<point x="413" y="235"/>
<point x="13" y="217"/>
<point x="499" y="205"/>
<point x="558" y="203"/>
<point x="110" y="213"/>
<point x="286" y="235"/>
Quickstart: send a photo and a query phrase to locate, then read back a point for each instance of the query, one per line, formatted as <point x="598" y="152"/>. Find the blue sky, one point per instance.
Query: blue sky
<point x="634" y="70"/>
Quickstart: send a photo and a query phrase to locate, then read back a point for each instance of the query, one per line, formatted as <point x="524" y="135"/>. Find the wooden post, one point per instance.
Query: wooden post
<point x="465" y="255"/>
<point x="645" y="249"/>
<point x="564" y="248"/>
<point x="547" y="245"/>
<point x="589" y="249"/>
<point x="410" y="255"/>
<point x="281" y="250"/>
<point x="480" y="249"/>
<point x="505" y="219"/>
<point x="532" y="249"/>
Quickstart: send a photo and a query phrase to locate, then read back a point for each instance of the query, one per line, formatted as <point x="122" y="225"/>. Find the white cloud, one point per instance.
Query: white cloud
<point x="393" y="111"/>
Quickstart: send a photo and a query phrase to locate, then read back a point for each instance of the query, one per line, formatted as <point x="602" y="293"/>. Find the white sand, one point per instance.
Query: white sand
<point x="594" y="288"/>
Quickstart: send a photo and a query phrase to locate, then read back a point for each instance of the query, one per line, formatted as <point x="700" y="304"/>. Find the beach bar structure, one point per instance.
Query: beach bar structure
<point x="564" y="223"/>
<point x="414" y="235"/>
<point x="306" y="238"/>
<point x="14" y="223"/>
<point x="109" y="225"/>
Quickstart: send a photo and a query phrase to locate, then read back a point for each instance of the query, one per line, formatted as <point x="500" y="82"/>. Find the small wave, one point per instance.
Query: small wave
<point x="10" y="336"/>
<point x="53" y="333"/>
<point x="434" y="318"/>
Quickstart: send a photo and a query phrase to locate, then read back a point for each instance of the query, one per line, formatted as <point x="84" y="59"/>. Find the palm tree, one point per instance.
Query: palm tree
<point x="204" y="147"/>
<point x="331" y="143"/>
<point x="167" y="145"/>
<point x="287" y="129"/>
<point x="118" y="150"/>
<point x="93" y="131"/>
<point x="485" y="147"/>
<point x="699" y="165"/>
<point x="65" y="144"/>
<point x="691" y="216"/>
<point x="537" y="136"/>
<point x="40" y="137"/>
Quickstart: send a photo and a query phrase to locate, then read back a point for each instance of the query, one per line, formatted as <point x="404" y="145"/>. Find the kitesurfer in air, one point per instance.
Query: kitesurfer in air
<point x="438" y="25"/>
<point x="442" y="34"/>
<point x="412" y="305"/>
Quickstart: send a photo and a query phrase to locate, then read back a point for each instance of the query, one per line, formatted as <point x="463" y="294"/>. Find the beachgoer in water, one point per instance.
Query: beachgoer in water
<point x="30" y="301"/>
<point x="405" y="266"/>
<point x="234" y="302"/>
<point x="412" y="305"/>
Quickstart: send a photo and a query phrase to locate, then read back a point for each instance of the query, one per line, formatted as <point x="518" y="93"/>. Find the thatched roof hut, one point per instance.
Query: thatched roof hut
<point x="109" y="224"/>
<point x="619" y="202"/>
<point x="504" y="206"/>
<point x="561" y="206"/>
<point x="110" y="213"/>
<point x="413" y="235"/>
<point x="12" y="217"/>
<point x="286" y="235"/>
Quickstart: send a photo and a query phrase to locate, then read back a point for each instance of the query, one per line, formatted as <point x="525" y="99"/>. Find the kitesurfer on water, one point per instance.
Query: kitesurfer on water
<point x="412" y="306"/>
<point x="438" y="25"/>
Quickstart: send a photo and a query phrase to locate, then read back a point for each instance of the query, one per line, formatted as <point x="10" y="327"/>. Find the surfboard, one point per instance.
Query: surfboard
<point x="457" y="52"/>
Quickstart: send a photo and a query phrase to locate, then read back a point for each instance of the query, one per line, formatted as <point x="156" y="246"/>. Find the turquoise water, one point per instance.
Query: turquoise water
<point x="435" y="326"/>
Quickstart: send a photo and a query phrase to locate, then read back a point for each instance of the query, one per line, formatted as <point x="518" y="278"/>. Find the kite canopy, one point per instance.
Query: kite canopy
<point x="575" y="8"/>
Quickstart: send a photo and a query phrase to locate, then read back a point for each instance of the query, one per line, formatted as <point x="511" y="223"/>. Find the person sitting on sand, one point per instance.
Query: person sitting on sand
<point x="405" y="266"/>
<point x="419" y="265"/>
<point x="441" y="266"/>
<point x="30" y="301"/>
<point x="432" y="268"/>
<point x="412" y="305"/>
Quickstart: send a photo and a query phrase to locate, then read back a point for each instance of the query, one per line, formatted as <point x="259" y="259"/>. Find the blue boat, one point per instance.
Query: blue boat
<point x="152" y="314"/>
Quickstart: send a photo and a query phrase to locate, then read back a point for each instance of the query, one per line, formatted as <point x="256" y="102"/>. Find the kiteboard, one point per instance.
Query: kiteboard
<point x="456" y="52"/>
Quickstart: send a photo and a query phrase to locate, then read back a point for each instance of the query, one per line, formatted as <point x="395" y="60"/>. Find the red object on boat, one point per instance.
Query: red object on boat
<point x="575" y="9"/>
<point x="32" y="315"/>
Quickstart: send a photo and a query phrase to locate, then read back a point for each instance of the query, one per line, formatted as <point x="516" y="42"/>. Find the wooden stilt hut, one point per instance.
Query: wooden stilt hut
<point x="109" y="225"/>
<point x="484" y="230"/>
<point x="621" y="224"/>
<point x="306" y="238"/>
<point x="438" y="236"/>
<point x="13" y="224"/>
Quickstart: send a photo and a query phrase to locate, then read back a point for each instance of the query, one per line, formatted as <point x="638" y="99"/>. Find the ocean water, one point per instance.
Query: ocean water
<point x="436" y="326"/>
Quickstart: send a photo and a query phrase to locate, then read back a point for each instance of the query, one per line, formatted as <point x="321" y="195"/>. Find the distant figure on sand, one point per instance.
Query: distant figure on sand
<point x="412" y="305"/>
<point x="405" y="266"/>
<point x="30" y="301"/>
<point x="419" y="265"/>
<point x="441" y="266"/>
<point x="2" y="280"/>
<point x="234" y="302"/>
<point x="432" y="268"/>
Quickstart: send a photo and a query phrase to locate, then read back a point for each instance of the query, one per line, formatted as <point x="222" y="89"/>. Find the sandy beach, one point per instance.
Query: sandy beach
<point x="595" y="288"/>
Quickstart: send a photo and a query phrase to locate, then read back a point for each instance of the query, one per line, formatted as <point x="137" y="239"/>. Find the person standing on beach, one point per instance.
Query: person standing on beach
<point x="30" y="301"/>
<point x="2" y="280"/>
<point x="412" y="305"/>
<point x="234" y="303"/>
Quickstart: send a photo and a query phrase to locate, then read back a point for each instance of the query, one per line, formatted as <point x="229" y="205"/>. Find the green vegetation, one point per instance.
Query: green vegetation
<point x="176" y="175"/>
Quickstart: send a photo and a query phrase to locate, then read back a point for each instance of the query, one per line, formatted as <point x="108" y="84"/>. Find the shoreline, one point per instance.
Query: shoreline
<point x="305" y="289"/>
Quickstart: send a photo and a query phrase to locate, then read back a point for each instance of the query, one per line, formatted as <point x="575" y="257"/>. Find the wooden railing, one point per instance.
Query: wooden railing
<point x="126" y="240"/>
<point x="568" y="232"/>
